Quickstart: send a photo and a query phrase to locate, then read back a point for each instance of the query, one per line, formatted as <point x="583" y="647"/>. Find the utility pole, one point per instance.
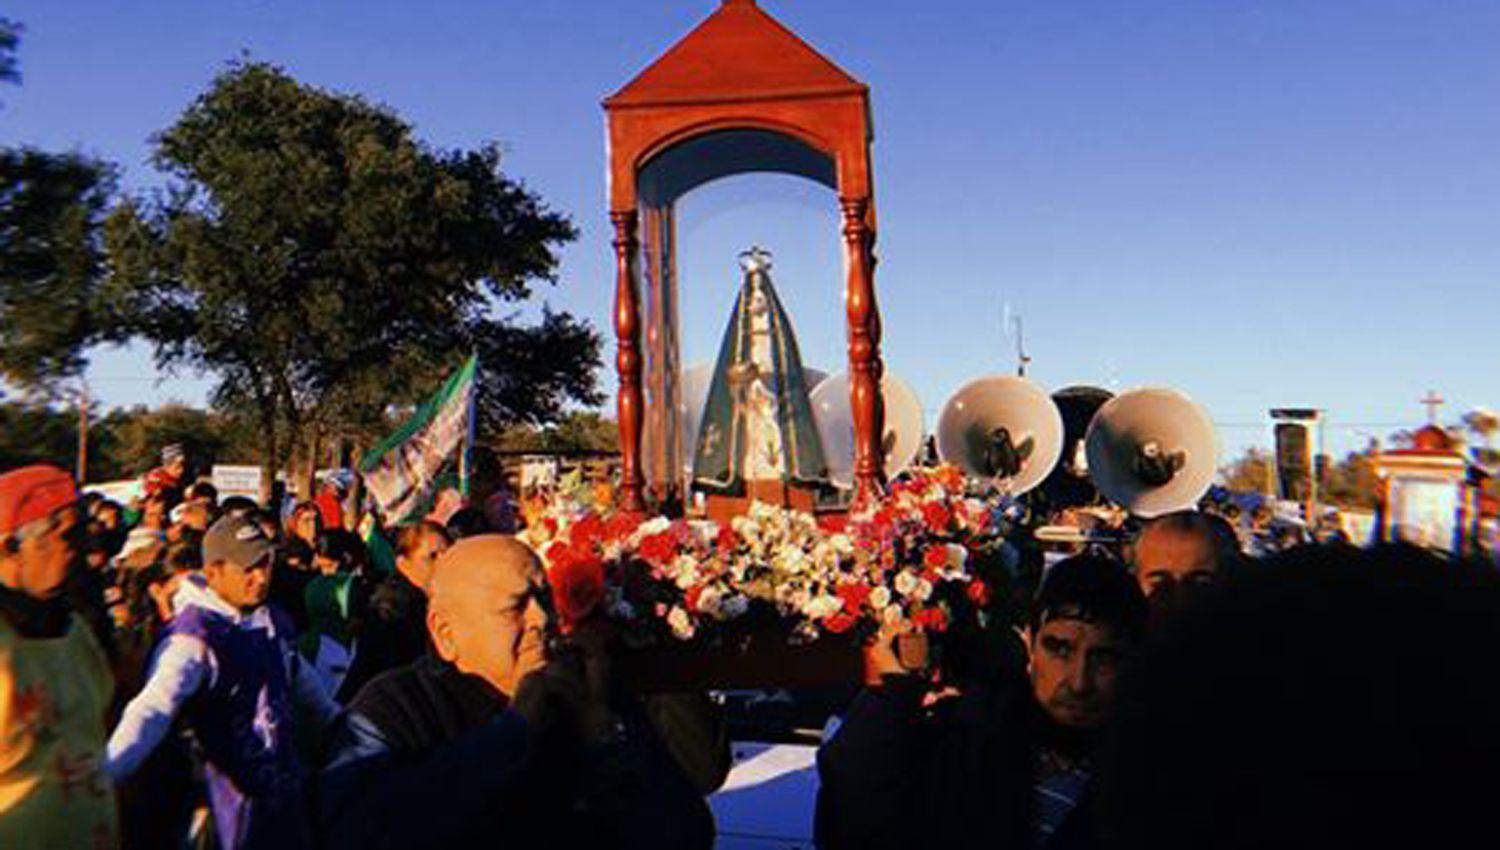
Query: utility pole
<point x="83" y="433"/>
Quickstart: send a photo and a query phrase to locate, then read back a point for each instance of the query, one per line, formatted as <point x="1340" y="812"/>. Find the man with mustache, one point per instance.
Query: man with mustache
<point x="1007" y="763"/>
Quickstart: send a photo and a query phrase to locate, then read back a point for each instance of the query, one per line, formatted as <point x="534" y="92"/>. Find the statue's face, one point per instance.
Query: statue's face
<point x="758" y="303"/>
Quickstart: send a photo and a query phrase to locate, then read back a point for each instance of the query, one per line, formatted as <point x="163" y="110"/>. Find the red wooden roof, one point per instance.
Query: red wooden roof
<point x="738" y="53"/>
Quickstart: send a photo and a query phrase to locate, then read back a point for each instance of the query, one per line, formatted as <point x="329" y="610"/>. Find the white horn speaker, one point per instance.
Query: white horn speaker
<point x="901" y="442"/>
<point x="1152" y="451"/>
<point x="1003" y="428"/>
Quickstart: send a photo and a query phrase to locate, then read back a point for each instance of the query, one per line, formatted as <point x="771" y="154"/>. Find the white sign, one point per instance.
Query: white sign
<point x="237" y="481"/>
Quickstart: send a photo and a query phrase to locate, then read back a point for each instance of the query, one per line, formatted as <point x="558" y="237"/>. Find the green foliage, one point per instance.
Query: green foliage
<point x="1249" y="473"/>
<point x="326" y="265"/>
<point x="36" y="433"/>
<point x="576" y="432"/>
<point x="1351" y="482"/>
<point x="51" y="264"/>
<point x="123" y="443"/>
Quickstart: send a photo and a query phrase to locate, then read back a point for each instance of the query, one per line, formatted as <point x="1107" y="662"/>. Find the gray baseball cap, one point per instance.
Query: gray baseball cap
<point x="238" y="540"/>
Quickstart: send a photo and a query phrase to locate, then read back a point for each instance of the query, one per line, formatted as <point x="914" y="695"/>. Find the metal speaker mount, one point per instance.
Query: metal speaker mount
<point x="1069" y="484"/>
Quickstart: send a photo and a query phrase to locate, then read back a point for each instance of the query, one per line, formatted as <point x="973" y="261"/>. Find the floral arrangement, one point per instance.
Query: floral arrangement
<point x="903" y="559"/>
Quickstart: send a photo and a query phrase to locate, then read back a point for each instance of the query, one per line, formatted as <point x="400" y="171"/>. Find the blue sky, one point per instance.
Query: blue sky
<point x="1263" y="204"/>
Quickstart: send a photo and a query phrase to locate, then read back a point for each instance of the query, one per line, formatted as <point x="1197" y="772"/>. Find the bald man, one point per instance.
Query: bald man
<point x="1181" y="553"/>
<point x="495" y="740"/>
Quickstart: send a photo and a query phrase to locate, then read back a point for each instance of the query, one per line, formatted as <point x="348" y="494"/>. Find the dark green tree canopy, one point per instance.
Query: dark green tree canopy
<point x="325" y="263"/>
<point x="51" y="264"/>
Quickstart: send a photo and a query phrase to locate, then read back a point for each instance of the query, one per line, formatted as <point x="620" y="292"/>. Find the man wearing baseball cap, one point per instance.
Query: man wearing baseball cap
<point x="229" y="667"/>
<point x="55" y="682"/>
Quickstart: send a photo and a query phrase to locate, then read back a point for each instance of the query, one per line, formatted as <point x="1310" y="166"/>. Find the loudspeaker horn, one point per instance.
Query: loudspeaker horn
<point x="1152" y="451"/>
<point x="1003" y="428"/>
<point x="901" y="442"/>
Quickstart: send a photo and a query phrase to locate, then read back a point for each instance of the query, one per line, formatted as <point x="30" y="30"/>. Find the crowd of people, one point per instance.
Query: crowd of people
<point x="192" y="671"/>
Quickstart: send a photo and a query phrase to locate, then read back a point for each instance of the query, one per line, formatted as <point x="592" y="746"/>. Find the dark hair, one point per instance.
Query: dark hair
<point x="467" y="522"/>
<point x="409" y="537"/>
<point x="206" y="491"/>
<point x="237" y="506"/>
<point x="1095" y="589"/>
<point x="331" y="544"/>
<point x="1332" y="696"/>
<point x="185" y="555"/>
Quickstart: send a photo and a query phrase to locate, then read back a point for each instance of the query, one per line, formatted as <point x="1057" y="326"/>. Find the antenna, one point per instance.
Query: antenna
<point x="1022" y="358"/>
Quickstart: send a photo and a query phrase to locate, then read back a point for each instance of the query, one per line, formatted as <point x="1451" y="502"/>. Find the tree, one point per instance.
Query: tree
<point x="10" y="39"/>
<point x="1250" y="472"/>
<point x="325" y="265"/>
<point x="51" y="264"/>
<point x="576" y="432"/>
<point x="51" y="207"/>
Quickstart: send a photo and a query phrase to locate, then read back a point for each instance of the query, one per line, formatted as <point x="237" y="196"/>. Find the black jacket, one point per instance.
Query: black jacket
<point x="957" y="776"/>
<point x="427" y="756"/>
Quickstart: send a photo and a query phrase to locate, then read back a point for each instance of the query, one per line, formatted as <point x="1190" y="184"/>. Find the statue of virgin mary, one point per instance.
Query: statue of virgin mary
<point x="758" y="422"/>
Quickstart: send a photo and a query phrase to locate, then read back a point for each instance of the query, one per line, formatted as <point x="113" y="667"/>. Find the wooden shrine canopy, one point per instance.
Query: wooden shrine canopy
<point x="741" y="93"/>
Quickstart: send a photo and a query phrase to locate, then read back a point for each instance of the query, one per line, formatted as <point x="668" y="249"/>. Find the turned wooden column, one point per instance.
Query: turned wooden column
<point x="865" y="367"/>
<point x="628" y="358"/>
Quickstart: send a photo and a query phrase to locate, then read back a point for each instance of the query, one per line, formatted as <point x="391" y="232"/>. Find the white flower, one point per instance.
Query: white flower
<point x="906" y="583"/>
<point x="923" y="590"/>
<point x="842" y="544"/>
<point x="823" y="606"/>
<point x="710" y="601"/>
<point x="650" y="527"/>
<point x="892" y="615"/>
<point x="957" y="557"/>
<point x="681" y="623"/>
<point x="880" y="597"/>
<point x="684" y="571"/>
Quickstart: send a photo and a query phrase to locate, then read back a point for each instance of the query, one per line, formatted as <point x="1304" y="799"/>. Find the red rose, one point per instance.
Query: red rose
<point x="853" y="595"/>
<point x="623" y="524"/>
<point x="931" y="619"/>
<point x="690" y="599"/>
<point x="727" y="541"/>
<point x="577" y="587"/>
<point x="658" y="549"/>
<point x="937" y="516"/>
<point x="833" y="523"/>
<point x="587" y="531"/>
<point x="978" y="593"/>
<point x="550" y="525"/>
<point x="839" y="623"/>
<point x="936" y="557"/>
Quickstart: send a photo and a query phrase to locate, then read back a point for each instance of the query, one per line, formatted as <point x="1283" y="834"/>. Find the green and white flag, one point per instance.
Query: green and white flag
<point x="401" y="473"/>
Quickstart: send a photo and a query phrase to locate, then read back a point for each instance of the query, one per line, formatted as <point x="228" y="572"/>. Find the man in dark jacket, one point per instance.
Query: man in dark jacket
<point x="497" y="740"/>
<point x="1008" y="763"/>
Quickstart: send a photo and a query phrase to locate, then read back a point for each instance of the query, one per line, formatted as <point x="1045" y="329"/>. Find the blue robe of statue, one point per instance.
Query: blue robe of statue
<point x="758" y="421"/>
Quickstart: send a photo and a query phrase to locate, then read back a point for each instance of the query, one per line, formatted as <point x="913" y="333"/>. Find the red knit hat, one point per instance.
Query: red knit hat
<point x="31" y="493"/>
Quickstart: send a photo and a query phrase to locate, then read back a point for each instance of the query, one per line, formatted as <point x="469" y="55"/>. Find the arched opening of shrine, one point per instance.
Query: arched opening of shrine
<point x="741" y="94"/>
